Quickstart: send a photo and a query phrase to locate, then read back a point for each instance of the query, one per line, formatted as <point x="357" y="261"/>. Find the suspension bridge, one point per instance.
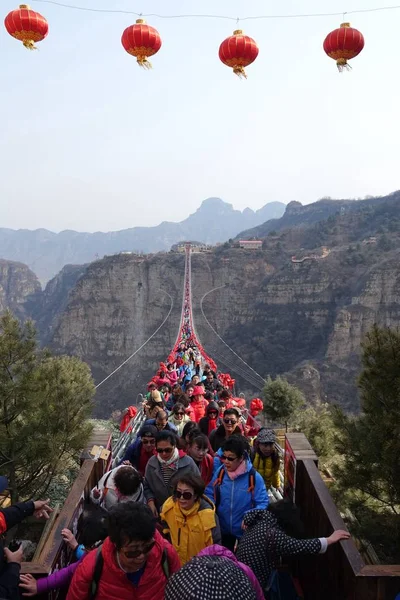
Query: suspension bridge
<point x="340" y="574"/>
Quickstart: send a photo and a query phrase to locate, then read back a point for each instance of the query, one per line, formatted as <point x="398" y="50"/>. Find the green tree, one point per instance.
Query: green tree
<point x="317" y="424"/>
<point x="281" y="400"/>
<point x="370" y="443"/>
<point x="45" y="402"/>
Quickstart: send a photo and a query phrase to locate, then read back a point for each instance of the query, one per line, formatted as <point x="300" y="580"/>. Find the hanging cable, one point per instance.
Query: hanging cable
<point x="217" y="334"/>
<point x="221" y="359"/>
<point x="143" y="345"/>
<point x="225" y="17"/>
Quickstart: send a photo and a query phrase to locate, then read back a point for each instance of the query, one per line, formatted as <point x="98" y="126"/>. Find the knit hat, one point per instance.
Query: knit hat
<point x="156" y="396"/>
<point x="198" y="391"/>
<point x="266" y="436"/>
<point x="212" y="407"/>
<point x="148" y="431"/>
<point x="210" y="578"/>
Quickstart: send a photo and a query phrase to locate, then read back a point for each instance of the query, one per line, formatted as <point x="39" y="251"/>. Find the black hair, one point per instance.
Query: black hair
<point x="127" y="480"/>
<point x="208" y="395"/>
<point x="162" y="414"/>
<point x="183" y="399"/>
<point x="225" y="395"/>
<point x="167" y="387"/>
<point x="237" y="444"/>
<point x="130" y="522"/>
<point x="195" y="482"/>
<point x="188" y="428"/>
<point x="166" y="436"/>
<point x="93" y="525"/>
<point x="288" y="516"/>
<point x="199" y="439"/>
<point x="177" y="407"/>
<point x="232" y="411"/>
<point x="274" y="456"/>
<point x="178" y="387"/>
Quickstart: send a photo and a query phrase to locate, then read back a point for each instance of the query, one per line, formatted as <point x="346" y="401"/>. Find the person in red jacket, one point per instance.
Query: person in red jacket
<point x="198" y="450"/>
<point x="136" y="561"/>
<point x="198" y="403"/>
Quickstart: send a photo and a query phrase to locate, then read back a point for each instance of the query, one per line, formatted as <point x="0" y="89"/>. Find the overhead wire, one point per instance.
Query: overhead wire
<point x="142" y="346"/>
<point x="223" y="17"/>
<point x="234" y="369"/>
<point x="222" y="340"/>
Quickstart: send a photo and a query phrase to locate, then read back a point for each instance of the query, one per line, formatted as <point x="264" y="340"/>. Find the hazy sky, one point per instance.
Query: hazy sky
<point x="89" y="141"/>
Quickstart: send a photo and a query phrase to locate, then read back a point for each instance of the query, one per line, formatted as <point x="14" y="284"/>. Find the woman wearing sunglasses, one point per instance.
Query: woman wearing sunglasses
<point x="135" y="561"/>
<point x="189" y="518"/>
<point x="236" y="488"/>
<point x="178" y="417"/>
<point x="164" y="470"/>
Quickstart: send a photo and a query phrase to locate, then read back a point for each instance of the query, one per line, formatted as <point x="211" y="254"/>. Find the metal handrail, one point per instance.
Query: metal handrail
<point x="127" y="437"/>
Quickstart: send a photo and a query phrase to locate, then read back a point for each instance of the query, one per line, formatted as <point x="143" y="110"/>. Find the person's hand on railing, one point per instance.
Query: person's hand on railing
<point x="69" y="538"/>
<point x="28" y="584"/>
<point x="14" y="557"/>
<point x="338" y="535"/>
<point x="42" y="509"/>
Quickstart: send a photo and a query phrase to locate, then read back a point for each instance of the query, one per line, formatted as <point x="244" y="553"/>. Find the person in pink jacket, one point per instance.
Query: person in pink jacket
<point x="172" y="375"/>
<point x="217" y="550"/>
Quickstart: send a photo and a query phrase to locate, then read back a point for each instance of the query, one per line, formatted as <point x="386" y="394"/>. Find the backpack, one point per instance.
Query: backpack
<point x="98" y="569"/>
<point x="219" y="480"/>
<point x="281" y="586"/>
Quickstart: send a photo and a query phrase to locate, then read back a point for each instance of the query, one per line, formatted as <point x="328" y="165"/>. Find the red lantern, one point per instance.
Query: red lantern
<point x="142" y="41"/>
<point x="27" y="26"/>
<point x="343" y="44"/>
<point x="238" y="51"/>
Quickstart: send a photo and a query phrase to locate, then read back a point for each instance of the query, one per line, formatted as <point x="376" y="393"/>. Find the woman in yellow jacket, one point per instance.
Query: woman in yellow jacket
<point x="189" y="518"/>
<point x="266" y="458"/>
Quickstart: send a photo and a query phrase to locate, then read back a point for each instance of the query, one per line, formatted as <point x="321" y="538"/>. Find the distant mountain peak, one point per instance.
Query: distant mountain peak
<point x="215" y="204"/>
<point x="47" y="252"/>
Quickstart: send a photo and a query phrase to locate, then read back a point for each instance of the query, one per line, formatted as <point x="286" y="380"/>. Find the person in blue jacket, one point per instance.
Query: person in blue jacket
<point x="236" y="488"/>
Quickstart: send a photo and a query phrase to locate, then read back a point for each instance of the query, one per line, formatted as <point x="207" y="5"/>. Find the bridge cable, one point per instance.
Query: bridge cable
<point x="143" y="345"/>
<point x="221" y="359"/>
<point x="223" y="341"/>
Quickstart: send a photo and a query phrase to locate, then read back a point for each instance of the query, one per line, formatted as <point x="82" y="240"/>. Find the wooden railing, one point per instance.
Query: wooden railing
<point x="55" y="554"/>
<point x="341" y="573"/>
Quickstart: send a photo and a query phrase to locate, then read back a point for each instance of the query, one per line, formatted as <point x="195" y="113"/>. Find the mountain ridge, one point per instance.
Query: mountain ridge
<point x="47" y="252"/>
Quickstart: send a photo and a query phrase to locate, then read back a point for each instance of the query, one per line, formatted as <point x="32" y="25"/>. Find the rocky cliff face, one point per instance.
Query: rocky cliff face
<point x="290" y="308"/>
<point x="113" y="309"/>
<point x="19" y="288"/>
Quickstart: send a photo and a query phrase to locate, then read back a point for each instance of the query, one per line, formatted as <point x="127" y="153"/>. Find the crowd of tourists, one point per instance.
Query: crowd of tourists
<point x="186" y="514"/>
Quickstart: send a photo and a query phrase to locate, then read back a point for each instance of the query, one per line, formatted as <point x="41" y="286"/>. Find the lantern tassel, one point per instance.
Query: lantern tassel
<point x="240" y="72"/>
<point x="343" y="65"/>
<point x="144" y="63"/>
<point x="29" y="44"/>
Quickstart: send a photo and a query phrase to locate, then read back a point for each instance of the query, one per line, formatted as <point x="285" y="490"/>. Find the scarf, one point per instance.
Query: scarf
<point x="168" y="467"/>
<point x="172" y="462"/>
<point x="242" y="468"/>
<point x="212" y="424"/>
